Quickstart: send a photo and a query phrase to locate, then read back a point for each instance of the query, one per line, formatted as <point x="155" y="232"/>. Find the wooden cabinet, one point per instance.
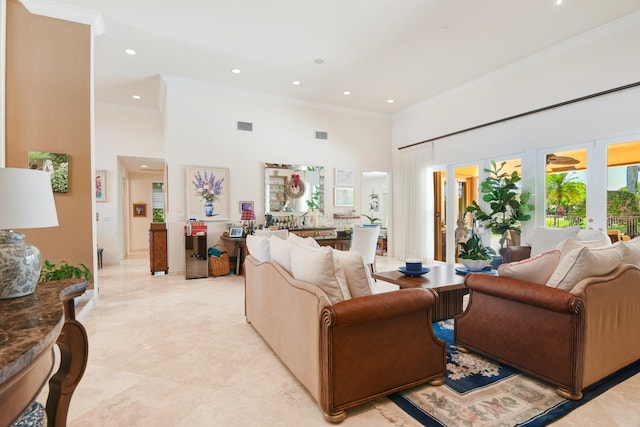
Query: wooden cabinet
<point x="158" y="248"/>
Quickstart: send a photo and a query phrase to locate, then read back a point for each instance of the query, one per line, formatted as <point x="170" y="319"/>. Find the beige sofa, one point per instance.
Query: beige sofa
<point x="571" y="329"/>
<point x="348" y="352"/>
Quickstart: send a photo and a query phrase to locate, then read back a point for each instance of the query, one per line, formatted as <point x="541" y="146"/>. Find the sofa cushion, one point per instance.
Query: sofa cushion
<point x="304" y="241"/>
<point x="568" y="245"/>
<point x="320" y="267"/>
<point x="280" y="252"/>
<point x="585" y="262"/>
<point x="356" y="273"/>
<point x="630" y="251"/>
<point x="258" y="247"/>
<point x="537" y="269"/>
<point x="545" y="239"/>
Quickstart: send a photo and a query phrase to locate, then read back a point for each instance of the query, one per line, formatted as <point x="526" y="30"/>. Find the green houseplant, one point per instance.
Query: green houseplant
<point x="508" y="206"/>
<point x="371" y="218"/>
<point x="63" y="270"/>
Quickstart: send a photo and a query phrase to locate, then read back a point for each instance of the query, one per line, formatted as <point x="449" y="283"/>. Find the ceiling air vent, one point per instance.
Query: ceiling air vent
<point x="322" y="135"/>
<point x="245" y="126"/>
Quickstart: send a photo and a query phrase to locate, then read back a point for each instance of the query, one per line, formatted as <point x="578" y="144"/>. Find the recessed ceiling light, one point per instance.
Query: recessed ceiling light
<point x="558" y="2"/>
<point x="318" y="61"/>
<point x="144" y="166"/>
<point x="235" y="70"/>
<point x="136" y="97"/>
<point x="295" y="82"/>
<point x="347" y="92"/>
<point x="390" y="101"/>
<point x="130" y="51"/>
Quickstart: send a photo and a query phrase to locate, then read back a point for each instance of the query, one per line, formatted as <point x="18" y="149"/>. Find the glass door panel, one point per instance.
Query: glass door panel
<point x="566" y="188"/>
<point x="623" y="196"/>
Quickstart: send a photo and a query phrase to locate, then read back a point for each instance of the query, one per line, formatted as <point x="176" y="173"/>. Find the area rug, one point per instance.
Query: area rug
<point x="479" y="392"/>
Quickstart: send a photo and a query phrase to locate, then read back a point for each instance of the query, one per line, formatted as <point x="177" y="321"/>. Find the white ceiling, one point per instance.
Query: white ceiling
<point x="406" y="50"/>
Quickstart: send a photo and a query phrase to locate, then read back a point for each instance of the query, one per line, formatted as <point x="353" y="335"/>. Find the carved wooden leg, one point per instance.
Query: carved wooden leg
<point x="568" y="395"/>
<point x="437" y="382"/>
<point x="74" y="351"/>
<point x="335" y="418"/>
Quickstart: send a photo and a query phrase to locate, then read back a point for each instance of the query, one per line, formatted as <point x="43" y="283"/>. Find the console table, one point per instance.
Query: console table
<point x="31" y="326"/>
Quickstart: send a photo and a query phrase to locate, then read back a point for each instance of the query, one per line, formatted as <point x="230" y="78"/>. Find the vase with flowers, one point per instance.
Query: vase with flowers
<point x="508" y="207"/>
<point x="209" y="189"/>
<point x="473" y="254"/>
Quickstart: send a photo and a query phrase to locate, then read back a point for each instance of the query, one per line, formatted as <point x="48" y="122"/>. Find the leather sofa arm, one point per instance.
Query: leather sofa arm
<point x="528" y="293"/>
<point x="379" y="306"/>
<point x="515" y="253"/>
<point x="375" y="345"/>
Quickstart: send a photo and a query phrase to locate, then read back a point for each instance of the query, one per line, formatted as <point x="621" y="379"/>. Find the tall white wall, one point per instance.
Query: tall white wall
<point x="122" y="132"/>
<point x="201" y="131"/>
<point x="601" y="60"/>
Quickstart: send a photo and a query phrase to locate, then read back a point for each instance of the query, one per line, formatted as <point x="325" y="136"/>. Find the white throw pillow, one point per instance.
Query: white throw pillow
<point x="545" y="239"/>
<point x="303" y="241"/>
<point x="356" y="273"/>
<point x="317" y="266"/>
<point x="537" y="269"/>
<point x="280" y="251"/>
<point x="585" y="262"/>
<point x="630" y="251"/>
<point x="568" y="245"/>
<point x="258" y="247"/>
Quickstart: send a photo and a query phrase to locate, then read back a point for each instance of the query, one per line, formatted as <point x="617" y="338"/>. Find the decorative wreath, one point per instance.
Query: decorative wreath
<point x="295" y="188"/>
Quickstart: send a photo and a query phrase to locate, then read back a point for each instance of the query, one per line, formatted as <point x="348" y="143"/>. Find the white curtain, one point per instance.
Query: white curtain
<point x="413" y="203"/>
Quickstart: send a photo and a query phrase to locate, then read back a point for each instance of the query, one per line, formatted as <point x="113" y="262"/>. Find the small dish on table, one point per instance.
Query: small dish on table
<point x="413" y="273"/>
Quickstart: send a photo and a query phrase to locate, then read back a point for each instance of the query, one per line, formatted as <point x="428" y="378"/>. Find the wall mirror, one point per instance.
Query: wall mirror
<point x="292" y="188"/>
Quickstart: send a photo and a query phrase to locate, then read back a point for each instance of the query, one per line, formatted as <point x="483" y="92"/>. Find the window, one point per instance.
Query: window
<point x="157" y="201"/>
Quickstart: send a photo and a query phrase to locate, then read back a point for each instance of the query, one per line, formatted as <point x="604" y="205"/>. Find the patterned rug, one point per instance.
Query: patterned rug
<point x="479" y="392"/>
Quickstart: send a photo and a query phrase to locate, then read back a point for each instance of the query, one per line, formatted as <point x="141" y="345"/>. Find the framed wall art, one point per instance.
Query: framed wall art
<point x="56" y="164"/>
<point x="101" y="186"/>
<point x="208" y="193"/>
<point x="344" y="178"/>
<point x="343" y="197"/>
<point x="139" y="209"/>
<point x="235" y="232"/>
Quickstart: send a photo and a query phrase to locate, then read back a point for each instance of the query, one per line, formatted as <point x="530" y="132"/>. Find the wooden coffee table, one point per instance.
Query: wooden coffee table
<point x="441" y="278"/>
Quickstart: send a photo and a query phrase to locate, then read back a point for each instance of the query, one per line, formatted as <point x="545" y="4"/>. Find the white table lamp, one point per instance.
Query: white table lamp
<point x="26" y="201"/>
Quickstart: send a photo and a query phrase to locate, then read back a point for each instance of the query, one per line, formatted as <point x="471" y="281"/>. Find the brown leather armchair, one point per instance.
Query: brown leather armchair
<point x="569" y="339"/>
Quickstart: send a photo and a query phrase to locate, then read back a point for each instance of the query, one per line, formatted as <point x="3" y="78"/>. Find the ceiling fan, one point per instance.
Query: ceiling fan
<point x="552" y="159"/>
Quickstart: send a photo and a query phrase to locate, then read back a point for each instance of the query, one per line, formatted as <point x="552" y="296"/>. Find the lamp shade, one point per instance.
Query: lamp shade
<point x="26" y="199"/>
<point x="248" y="215"/>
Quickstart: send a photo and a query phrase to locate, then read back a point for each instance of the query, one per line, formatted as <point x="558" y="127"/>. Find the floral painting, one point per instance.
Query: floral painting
<point x="208" y="193"/>
<point x="56" y="165"/>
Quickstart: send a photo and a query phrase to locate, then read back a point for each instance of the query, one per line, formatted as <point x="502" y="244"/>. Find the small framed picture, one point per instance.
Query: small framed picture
<point x="235" y="232"/>
<point x="344" y="177"/>
<point x="246" y="206"/>
<point x="343" y="197"/>
<point x="101" y="186"/>
<point x="139" y="209"/>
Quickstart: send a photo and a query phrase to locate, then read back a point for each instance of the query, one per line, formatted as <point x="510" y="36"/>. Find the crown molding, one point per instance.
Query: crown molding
<point x="67" y="13"/>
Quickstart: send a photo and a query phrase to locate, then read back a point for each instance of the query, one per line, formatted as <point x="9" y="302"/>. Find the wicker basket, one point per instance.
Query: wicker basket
<point x="219" y="265"/>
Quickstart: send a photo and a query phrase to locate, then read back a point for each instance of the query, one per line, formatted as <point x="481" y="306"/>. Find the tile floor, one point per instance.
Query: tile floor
<point x="165" y="351"/>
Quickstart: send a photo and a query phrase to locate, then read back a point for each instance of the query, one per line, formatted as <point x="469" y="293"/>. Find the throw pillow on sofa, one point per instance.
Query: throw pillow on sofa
<point x="280" y="251"/>
<point x="568" y="245"/>
<point x="303" y="241"/>
<point x="545" y="239"/>
<point x="320" y="267"/>
<point x="630" y="251"/>
<point x="537" y="269"/>
<point x="585" y="262"/>
<point x="258" y="247"/>
<point x="356" y="273"/>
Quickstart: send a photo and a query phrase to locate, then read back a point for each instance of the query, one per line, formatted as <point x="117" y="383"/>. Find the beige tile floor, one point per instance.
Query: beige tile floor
<point x="165" y="351"/>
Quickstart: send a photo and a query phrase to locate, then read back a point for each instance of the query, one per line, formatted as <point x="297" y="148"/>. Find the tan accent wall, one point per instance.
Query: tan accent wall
<point x="48" y="109"/>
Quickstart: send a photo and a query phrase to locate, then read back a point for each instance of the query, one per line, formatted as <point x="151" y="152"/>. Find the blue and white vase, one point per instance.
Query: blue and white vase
<point x="208" y="208"/>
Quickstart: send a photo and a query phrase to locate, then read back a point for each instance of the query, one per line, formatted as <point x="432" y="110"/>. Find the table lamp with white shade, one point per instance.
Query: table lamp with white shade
<point x="26" y="201"/>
